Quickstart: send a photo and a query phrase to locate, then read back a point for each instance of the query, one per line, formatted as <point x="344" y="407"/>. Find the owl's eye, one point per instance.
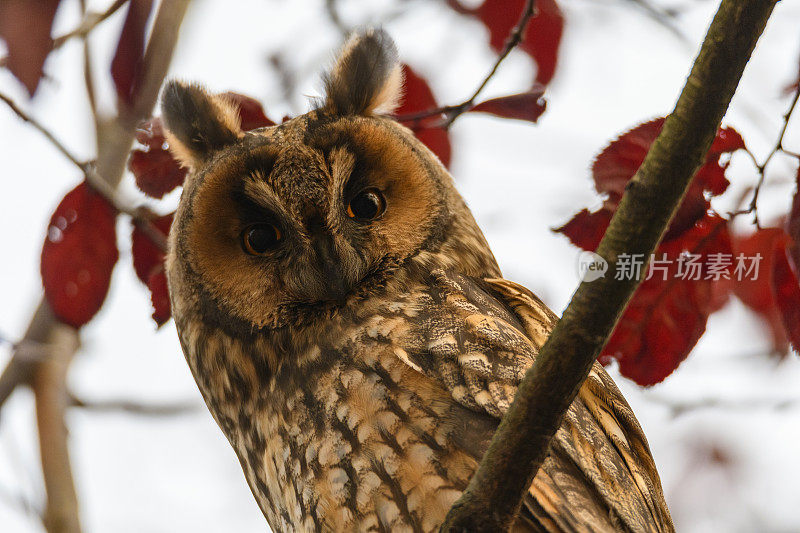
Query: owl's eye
<point x="259" y="239"/>
<point x="366" y="205"/>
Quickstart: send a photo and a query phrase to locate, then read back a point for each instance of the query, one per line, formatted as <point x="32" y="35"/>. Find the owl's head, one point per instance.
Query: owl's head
<point x="313" y="211"/>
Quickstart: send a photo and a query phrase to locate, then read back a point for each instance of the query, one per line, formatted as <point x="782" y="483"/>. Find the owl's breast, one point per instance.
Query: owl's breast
<point x="355" y="439"/>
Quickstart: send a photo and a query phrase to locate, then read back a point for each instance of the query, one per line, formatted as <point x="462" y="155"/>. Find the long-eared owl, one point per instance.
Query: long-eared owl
<point x="349" y="328"/>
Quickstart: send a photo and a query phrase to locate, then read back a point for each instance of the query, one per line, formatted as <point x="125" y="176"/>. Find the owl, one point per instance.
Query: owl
<point x="349" y="328"/>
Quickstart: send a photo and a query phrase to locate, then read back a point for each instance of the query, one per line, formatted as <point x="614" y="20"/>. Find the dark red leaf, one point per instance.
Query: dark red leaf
<point x="148" y="262"/>
<point x="786" y="289"/>
<point x="619" y="161"/>
<point x="155" y="170"/>
<point x="25" y="27"/>
<point x="147" y="256"/>
<point x="78" y="255"/>
<point x="128" y="59"/>
<point x="419" y="97"/>
<point x="159" y="296"/>
<point x="586" y="229"/>
<point x="542" y="36"/>
<point x="524" y="106"/>
<point x="756" y="292"/>
<point x="667" y="314"/>
<point x="727" y="140"/>
<point x="250" y="111"/>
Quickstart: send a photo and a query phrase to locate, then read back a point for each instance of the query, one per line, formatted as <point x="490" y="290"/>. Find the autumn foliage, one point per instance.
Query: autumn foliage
<point x="663" y="322"/>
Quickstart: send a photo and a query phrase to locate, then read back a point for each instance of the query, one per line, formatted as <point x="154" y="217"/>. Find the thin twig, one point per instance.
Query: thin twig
<point x="752" y="207"/>
<point x="665" y="18"/>
<point x="681" y="407"/>
<point x="451" y="112"/>
<point x="333" y="15"/>
<point x="44" y="131"/>
<point x="90" y="21"/>
<point x="134" y="408"/>
<point x="97" y="182"/>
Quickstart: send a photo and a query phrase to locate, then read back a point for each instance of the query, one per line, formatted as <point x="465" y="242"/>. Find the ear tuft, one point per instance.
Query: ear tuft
<point x="366" y="78"/>
<point x="198" y="123"/>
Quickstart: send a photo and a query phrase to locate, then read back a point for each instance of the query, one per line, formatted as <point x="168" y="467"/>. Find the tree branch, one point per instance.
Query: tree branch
<point x="134" y="408"/>
<point x="521" y="442"/>
<point x="50" y="392"/>
<point x="762" y="167"/>
<point x="141" y="216"/>
<point x="451" y="112"/>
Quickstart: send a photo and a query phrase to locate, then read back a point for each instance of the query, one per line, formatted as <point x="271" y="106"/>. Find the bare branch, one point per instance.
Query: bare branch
<point x="332" y="10"/>
<point x="663" y="17"/>
<point x="97" y="182"/>
<point x="90" y="21"/>
<point x="134" y="408"/>
<point x="451" y="112"/>
<point x="681" y="407"/>
<point x="44" y="131"/>
<point x="762" y="167"/>
<point x="494" y="495"/>
<point x="49" y="388"/>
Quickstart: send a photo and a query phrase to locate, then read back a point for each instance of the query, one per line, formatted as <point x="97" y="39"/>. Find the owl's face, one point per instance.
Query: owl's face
<point x="310" y="212"/>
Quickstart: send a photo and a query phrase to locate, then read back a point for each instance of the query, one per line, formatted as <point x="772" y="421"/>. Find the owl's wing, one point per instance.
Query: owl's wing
<point x="478" y="343"/>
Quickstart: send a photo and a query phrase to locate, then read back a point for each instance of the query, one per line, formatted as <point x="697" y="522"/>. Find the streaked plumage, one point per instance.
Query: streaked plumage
<point x="359" y="367"/>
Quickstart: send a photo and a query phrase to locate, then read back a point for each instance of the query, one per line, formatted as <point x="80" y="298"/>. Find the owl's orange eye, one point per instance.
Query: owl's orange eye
<point x="259" y="239"/>
<point x="366" y="205"/>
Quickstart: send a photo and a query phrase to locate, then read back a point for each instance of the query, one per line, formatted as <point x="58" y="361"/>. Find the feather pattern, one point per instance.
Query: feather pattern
<point x="494" y="329"/>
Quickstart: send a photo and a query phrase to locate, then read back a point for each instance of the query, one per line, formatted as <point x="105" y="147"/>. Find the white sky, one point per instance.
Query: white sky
<point x="618" y="68"/>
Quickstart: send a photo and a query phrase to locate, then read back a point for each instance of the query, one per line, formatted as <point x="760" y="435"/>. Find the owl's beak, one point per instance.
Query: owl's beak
<point x="335" y="286"/>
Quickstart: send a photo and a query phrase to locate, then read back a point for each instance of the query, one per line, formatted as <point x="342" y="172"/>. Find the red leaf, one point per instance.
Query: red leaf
<point x="542" y="36"/>
<point x="147" y="256"/>
<point x="419" y="97"/>
<point x="250" y="111"/>
<point x="757" y="293"/>
<point x="524" y="106"/>
<point x="159" y="296"/>
<point x="586" y="229"/>
<point x="619" y="161"/>
<point x="727" y="140"/>
<point x="786" y="289"/>
<point x="127" y="63"/>
<point x="155" y="170"/>
<point x="667" y="314"/>
<point x="148" y="262"/>
<point x="25" y="27"/>
<point x="78" y="255"/>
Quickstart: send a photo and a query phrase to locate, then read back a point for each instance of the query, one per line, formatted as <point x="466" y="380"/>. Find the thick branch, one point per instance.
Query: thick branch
<point x="50" y="391"/>
<point x="521" y="442"/>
